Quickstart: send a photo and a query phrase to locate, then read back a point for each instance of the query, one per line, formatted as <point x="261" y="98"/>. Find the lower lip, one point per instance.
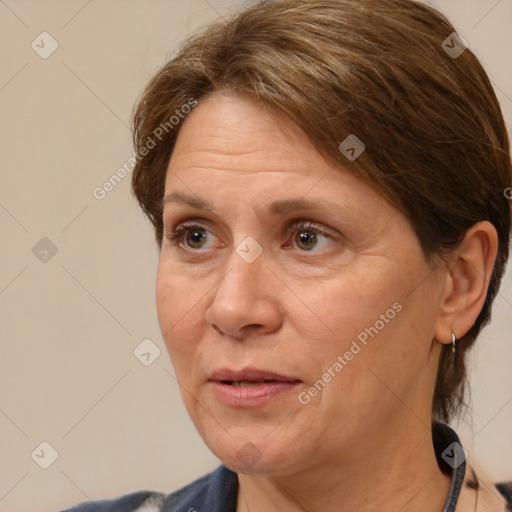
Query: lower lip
<point x="252" y="395"/>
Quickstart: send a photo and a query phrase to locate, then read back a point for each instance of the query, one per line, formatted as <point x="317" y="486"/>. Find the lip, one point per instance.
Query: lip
<point x="273" y="385"/>
<point x="251" y="374"/>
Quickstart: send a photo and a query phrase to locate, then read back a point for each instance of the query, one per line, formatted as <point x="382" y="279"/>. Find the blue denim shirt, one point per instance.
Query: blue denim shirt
<point x="217" y="491"/>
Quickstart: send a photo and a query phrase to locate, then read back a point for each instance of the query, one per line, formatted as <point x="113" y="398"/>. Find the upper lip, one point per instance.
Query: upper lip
<point x="249" y="374"/>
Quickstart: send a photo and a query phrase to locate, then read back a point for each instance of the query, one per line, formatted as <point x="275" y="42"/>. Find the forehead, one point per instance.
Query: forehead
<point x="241" y="135"/>
<point x="232" y="151"/>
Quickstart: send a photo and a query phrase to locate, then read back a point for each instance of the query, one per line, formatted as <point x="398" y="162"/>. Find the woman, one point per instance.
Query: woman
<point x="326" y="183"/>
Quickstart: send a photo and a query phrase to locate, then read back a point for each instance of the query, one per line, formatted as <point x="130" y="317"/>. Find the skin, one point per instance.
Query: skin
<point x="364" y="442"/>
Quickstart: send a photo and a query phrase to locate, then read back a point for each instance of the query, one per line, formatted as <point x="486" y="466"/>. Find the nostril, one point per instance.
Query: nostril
<point x="217" y="329"/>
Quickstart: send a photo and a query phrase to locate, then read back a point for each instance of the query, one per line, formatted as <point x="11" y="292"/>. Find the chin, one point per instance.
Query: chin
<point x="248" y="452"/>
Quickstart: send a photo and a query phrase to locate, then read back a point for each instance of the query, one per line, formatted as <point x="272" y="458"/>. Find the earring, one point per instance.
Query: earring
<point x="454" y="339"/>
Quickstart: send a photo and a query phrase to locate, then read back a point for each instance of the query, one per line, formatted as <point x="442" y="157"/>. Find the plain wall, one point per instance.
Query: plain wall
<point x="69" y="325"/>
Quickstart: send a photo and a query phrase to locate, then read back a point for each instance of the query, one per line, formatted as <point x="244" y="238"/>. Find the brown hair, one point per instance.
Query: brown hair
<point x="436" y="144"/>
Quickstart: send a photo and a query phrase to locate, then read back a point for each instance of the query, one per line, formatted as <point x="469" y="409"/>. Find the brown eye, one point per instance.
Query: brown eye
<point x="189" y="237"/>
<point x="306" y="239"/>
<point x="307" y="236"/>
<point x="194" y="237"/>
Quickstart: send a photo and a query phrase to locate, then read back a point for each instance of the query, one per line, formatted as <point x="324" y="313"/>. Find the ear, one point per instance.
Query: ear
<point x="470" y="267"/>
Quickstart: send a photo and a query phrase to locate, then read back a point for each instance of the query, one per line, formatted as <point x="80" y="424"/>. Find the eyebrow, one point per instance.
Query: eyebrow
<point x="275" y="208"/>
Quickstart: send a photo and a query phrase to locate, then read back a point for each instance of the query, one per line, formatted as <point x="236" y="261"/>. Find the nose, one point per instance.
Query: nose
<point x="245" y="303"/>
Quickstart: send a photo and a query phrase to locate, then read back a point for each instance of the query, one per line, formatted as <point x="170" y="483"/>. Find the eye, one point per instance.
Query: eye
<point x="192" y="236"/>
<point x="308" y="236"/>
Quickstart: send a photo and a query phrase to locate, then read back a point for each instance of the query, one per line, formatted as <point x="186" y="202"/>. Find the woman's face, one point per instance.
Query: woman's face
<point x="289" y="270"/>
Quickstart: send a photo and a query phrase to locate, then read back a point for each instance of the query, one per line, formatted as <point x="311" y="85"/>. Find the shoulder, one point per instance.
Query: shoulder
<point x="216" y="492"/>
<point x="143" y="501"/>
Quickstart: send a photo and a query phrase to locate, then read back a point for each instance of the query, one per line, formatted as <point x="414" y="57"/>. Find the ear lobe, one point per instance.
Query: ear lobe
<point x="469" y="272"/>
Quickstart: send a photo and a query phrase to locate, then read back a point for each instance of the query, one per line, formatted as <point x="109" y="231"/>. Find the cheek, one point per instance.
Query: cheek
<point x="338" y="341"/>
<point x="372" y="317"/>
<point x="350" y="304"/>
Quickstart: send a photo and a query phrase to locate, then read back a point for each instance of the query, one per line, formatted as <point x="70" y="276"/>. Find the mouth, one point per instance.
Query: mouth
<point x="249" y="376"/>
<point x="250" y="387"/>
<point x="245" y="383"/>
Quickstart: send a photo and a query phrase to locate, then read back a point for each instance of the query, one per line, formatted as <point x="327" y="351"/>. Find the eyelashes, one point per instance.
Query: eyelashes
<point x="308" y="231"/>
<point x="176" y="237"/>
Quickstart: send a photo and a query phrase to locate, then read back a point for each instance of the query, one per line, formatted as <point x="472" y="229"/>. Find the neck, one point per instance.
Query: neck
<point x="395" y="472"/>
